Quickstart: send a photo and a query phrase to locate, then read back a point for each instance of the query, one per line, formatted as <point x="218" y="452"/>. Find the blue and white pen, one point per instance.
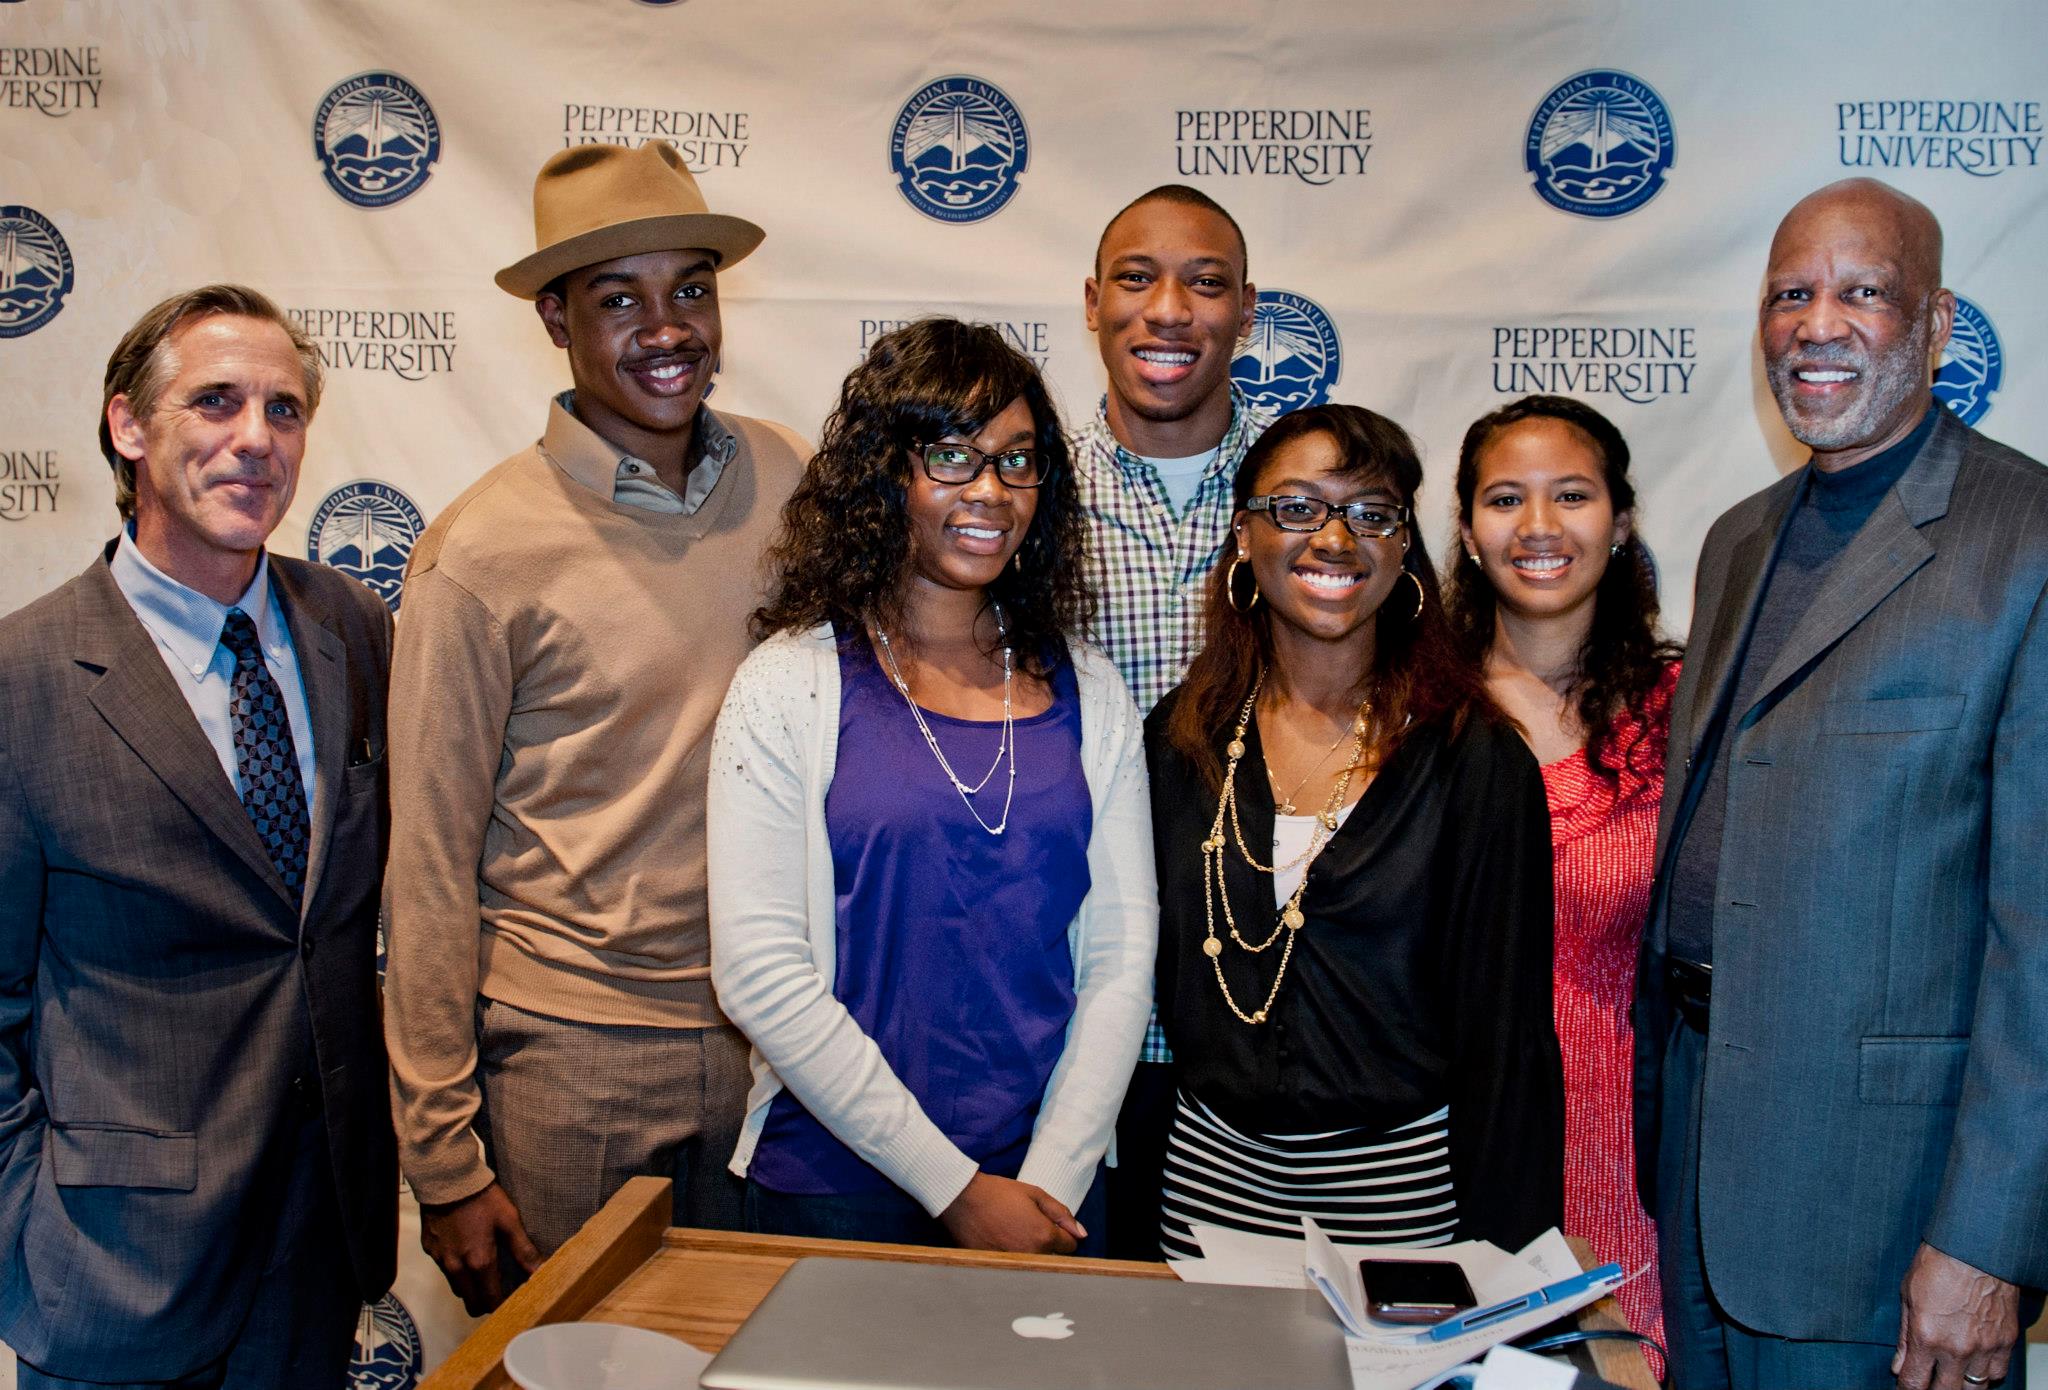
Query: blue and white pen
<point x="1606" y="1277"/>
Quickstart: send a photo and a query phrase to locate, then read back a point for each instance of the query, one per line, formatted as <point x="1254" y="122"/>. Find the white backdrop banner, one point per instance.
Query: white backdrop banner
<point x="1447" y="205"/>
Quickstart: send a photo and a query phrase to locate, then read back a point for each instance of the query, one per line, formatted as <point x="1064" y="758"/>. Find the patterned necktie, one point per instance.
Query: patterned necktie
<point x="265" y="757"/>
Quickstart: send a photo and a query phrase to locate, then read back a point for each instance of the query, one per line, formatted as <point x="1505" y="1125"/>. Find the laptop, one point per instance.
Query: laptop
<point x="839" y="1324"/>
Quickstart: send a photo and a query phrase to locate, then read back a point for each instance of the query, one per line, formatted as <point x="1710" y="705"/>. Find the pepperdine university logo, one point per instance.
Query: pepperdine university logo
<point x="35" y="270"/>
<point x="388" y="1351"/>
<point x="1972" y="367"/>
<point x="1599" y="144"/>
<point x="29" y="482"/>
<point x="366" y="530"/>
<point x="52" y="80"/>
<point x="958" y="147"/>
<point x="376" y="138"/>
<point x="1032" y="337"/>
<point x="1981" y="138"/>
<point x="1292" y="356"/>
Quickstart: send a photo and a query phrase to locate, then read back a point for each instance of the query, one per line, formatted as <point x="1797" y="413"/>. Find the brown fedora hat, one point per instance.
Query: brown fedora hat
<point x="601" y="202"/>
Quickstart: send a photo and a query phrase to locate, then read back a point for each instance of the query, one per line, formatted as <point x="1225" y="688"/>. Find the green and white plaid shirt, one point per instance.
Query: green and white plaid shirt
<point x="1148" y="564"/>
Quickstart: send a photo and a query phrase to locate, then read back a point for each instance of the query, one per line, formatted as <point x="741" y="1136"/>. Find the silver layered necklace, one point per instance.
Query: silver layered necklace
<point x="1006" y="746"/>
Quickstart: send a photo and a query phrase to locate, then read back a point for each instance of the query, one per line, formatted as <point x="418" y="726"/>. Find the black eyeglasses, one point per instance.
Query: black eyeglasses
<point x="960" y="464"/>
<point x="1366" y="520"/>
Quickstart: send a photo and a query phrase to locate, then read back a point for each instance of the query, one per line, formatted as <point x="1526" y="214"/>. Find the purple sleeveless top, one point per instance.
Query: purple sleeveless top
<point x="953" y="951"/>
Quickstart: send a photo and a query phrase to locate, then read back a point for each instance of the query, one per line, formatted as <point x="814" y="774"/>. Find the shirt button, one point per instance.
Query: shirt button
<point x="306" y="947"/>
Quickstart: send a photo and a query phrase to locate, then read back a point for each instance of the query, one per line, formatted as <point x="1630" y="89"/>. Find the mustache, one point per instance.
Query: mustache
<point x="656" y="359"/>
<point x="1821" y="355"/>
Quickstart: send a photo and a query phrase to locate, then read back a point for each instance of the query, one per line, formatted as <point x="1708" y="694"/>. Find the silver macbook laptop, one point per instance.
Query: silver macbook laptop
<point x="834" y="1324"/>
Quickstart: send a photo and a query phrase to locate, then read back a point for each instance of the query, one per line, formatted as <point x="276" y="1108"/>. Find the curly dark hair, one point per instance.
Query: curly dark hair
<point x="1622" y="658"/>
<point x="1420" y="678"/>
<point x="843" y="553"/>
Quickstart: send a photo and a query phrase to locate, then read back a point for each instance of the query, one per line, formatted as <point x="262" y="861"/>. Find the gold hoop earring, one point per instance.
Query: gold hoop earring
<point x="1421" y="595"/>
<point x="1230" y="588"/>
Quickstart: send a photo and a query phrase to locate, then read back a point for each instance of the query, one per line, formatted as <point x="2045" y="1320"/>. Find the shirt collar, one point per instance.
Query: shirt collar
<point x="595" y="462"/>
<point x="187" y="621"/>
<point x="1860" y="483"/>
<point x="1229" y="449"/>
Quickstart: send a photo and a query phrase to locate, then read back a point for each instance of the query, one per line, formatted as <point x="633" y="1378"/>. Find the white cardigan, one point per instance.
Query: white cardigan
<point x="774" y="932"/>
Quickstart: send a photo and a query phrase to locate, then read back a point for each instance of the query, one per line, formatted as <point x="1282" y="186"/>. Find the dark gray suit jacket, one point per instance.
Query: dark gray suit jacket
<point x="1877" y="1055"/>
<point x="158" y="992"/>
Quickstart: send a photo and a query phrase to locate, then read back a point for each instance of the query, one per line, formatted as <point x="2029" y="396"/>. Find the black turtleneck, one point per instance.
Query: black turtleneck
<point x="1831" y="509"/>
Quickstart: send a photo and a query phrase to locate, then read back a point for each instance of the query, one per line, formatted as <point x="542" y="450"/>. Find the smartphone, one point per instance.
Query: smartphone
<point x="1415" y="1291"/>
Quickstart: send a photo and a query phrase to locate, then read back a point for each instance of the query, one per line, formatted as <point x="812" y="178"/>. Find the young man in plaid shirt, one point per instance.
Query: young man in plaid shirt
<point x="1168" y="302"/>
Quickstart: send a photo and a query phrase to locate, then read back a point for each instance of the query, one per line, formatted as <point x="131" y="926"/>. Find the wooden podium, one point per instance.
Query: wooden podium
<point x="629" y="1265"/>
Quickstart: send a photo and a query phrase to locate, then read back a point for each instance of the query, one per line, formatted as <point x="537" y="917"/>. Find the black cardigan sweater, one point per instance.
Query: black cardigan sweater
<point x="1421" y="977"/>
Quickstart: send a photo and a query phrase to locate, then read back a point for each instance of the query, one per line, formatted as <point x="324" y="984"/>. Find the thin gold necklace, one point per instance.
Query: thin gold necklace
<point x="1284" y="804"/>
<point x="1212" y="858"/>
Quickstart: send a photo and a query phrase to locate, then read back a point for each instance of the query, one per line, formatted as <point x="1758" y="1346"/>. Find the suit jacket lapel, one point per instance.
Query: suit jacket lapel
<point x="141" y="702"/>
<point x="1878" y="559"/>
<point x="323" y="668"/>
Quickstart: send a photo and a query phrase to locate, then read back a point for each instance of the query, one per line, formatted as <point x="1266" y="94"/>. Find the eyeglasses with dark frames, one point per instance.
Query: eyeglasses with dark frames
<point x="1366" y="520"/>
<point x="957" y="465"/>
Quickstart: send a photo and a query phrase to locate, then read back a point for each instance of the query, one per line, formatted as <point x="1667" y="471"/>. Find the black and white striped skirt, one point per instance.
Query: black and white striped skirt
<point x="1366" y="1188"/>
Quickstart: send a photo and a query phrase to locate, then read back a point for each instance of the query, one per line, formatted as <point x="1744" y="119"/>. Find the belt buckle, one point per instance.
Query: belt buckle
<point x="1692" y="989"/>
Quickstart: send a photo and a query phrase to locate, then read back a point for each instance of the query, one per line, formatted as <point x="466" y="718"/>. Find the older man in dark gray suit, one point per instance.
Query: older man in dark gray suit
<point x="197" y="1171"/>
<point x="1842" y="1040"/>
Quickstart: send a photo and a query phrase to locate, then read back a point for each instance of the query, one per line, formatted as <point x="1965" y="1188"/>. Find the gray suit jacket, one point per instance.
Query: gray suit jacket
<point x="159" y="996"/>
<point x="1877" y="1055"/>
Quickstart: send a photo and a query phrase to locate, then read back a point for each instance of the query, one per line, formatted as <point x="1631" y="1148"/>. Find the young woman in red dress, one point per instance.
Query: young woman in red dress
<point x="1556" y="598"/>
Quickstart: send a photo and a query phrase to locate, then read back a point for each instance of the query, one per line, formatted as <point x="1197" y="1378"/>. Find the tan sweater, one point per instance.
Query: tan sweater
<point x="559" y="666"/>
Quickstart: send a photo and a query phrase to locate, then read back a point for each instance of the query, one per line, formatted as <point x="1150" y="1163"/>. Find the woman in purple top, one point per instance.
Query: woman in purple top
<point x="932" y="900"/>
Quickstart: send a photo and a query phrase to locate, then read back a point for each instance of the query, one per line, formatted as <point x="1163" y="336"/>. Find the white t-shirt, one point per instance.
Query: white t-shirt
<point x="1290" y="840"/>
<point x="1180" y="477"/>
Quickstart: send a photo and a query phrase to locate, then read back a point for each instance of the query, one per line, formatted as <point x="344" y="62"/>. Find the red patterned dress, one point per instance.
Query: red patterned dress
<point x="1603" y="836"/>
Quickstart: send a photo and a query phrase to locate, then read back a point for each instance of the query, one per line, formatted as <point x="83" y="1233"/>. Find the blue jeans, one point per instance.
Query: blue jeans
<point x="890" y="1217"/>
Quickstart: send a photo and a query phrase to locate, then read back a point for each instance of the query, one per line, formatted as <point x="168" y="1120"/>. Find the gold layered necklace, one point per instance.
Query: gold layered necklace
<point x="1212" y="856"/>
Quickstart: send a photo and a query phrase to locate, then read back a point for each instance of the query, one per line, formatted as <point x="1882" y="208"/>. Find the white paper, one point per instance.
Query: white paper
<point x="1385" y="1356"/>
<point x="1223" y="1272"/>
<point x="1550" y="1255"/>
<point x="1507" y="1368"/>
<point x="1495" y="1275"/>
<point x="1270" y="1262"/>
<point x="1337" y="1277"/>
<point x="1279" y="1262"/>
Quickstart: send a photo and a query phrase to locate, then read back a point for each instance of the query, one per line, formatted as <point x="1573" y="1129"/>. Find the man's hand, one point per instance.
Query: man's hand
<point x="463" y="1238"/>
<point x="1957" y="1324"/>
<point x="993" y="1213"/>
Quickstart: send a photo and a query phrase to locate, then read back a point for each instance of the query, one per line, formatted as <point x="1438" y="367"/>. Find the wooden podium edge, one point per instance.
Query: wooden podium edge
<point x="614" y="1243"/>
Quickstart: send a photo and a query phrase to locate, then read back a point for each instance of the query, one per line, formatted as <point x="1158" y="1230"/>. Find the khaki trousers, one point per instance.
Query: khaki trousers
<point x="571" y="1110"/>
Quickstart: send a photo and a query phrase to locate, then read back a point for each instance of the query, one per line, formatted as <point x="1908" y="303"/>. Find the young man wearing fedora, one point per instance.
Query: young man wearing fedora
<point x="571" y="623"/>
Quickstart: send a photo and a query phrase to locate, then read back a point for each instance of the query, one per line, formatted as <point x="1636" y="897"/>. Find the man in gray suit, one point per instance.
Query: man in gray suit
<point x="1842" y="1014"/>
<point x="197" y="1171"/>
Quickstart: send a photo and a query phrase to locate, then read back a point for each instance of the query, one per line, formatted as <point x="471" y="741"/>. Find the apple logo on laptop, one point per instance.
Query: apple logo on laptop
<point x="1055" y="1327"/>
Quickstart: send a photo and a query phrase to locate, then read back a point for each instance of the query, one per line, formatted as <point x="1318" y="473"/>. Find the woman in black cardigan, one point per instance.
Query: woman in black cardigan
<point x="1354" y="875"/>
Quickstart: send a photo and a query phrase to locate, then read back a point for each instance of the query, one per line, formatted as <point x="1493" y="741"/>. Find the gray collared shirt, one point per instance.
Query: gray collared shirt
<point x="634" y="483"/>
